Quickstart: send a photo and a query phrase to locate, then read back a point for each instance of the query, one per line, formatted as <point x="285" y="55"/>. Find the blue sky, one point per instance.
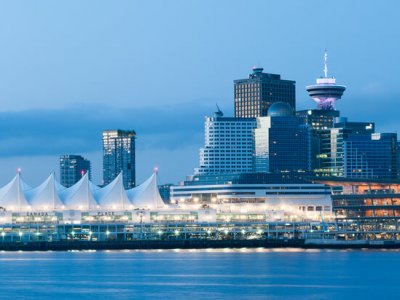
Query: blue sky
<point x="69" y="69"/>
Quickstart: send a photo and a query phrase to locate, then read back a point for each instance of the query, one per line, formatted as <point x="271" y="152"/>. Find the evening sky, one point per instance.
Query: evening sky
<point x="69" y="69"/>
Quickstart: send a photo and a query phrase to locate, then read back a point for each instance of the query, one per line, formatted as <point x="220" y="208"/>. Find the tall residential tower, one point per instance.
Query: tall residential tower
<point x="119" y="155"/>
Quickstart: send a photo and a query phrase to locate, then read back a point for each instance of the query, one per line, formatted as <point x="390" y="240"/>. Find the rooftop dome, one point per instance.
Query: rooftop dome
<point x="280" y="109"/>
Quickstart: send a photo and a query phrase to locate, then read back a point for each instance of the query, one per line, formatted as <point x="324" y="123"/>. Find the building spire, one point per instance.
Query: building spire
<point x="326" y="64"/>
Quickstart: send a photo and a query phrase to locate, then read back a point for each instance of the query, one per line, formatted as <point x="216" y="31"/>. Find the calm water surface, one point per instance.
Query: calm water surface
<point x="201" y="274"/>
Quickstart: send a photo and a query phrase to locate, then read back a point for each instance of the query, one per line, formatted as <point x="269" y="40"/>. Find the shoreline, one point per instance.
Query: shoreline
<point x="196" y="244"/>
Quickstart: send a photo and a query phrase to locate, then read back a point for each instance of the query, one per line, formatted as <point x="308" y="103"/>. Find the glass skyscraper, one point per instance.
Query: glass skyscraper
<point x="254" y="96"/>
<point x="72" y="168"/>
<point x="119" y="155"/>
<point x="354" y="150"/>
<point x="282" y="142"/>
<point x="319" y="120"/>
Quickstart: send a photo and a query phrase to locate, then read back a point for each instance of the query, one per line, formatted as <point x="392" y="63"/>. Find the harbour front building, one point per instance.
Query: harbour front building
<point x="255" y="197"/>
<point x="51" y="202"/>
<point x="137" y="217"/>
<point x="367" y="209"/>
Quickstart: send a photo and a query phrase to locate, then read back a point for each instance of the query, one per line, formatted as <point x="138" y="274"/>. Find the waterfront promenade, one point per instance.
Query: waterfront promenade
<point x="190" y="235"/>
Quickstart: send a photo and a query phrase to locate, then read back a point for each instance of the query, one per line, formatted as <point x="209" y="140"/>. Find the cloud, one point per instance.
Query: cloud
<point x="78" y="128"/>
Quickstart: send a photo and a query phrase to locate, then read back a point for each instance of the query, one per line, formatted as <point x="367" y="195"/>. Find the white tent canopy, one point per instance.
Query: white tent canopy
<point x="46" y="195"/>
<point x="84" y="195"/>
<point x="79" y="196"/>
<point x="146" y="195"/>
<point x="113" y="196"/>
<point x="12" y="195"/>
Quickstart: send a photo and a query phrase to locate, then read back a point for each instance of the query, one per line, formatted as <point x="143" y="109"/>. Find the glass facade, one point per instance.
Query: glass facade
<point x="354" y="150"/>
<point x="165" y="192"/>
<point x="367" y="209"/>
<point x="248" y="178"/>
<point x="254" y="96"/>
<point x="164" y="229"/>
<point x="318" y="120"/>
<point x="72" y="168"/>
<point x="119" y="155"/>
<point x="372" y="156"/>
<point x="282" y="144"/>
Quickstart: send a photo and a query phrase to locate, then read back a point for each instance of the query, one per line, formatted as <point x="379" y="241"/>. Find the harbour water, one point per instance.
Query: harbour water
<point x="201" y="274"/>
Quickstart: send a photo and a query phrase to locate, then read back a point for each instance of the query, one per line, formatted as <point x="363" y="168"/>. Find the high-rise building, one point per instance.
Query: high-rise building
<point x="72" y="168"/>
<point x="228" y="145"/>
<point x="325" y="93"/>
<point x="282" y="142"/>
<point x="354" y="150"/>
<point x="319" y="119"/>
<point x="119" y="155"/>
<point x="254" y="96"/>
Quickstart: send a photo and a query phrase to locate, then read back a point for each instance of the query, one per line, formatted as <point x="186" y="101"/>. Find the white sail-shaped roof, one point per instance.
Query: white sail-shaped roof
<point x="12" y="195"/>
<point x="45" y="196"/>
<point x="146" y="195"/>
<point x="84" y="195"/>
<point x="79" y="196"/>
<point x="112" y="196"/>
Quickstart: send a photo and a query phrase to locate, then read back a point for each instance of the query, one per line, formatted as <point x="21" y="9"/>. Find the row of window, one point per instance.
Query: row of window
<point x="243" y="150"/>
<point x="228" y="151"/>
<point x="231" y="131"/>
<point x="222" y="155"/>
<point x="227" y="158"/>
<point x="243" y="124"/>
<point x="227" y="134"/>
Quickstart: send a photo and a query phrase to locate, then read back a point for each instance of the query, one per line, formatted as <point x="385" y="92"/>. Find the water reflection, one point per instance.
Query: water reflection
<point x="245" y="273"/>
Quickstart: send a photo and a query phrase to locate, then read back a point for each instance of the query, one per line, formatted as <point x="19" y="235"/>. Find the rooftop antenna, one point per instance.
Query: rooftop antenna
<point x="326" y="63"/>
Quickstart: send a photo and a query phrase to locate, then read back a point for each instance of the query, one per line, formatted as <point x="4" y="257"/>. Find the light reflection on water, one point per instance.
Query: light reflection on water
<point x="246" y="273"/>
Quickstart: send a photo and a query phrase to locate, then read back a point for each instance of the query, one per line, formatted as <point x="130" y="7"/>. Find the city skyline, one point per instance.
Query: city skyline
<point x="71" y="94"/>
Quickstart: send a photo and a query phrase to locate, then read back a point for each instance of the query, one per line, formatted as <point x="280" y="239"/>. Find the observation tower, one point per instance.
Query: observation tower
<point x="326" y="92"/>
